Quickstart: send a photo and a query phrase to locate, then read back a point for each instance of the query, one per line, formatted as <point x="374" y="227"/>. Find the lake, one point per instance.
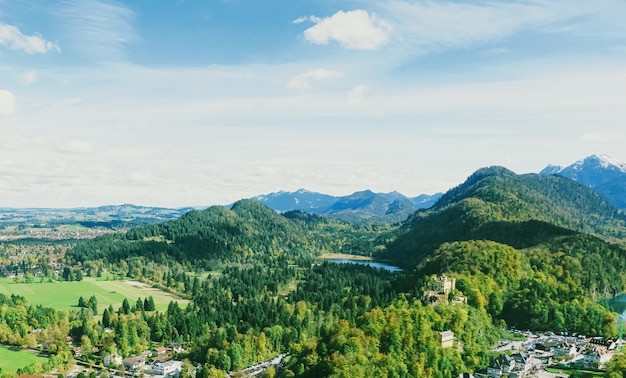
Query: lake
<point x="618" y="304"/>
<point x="373" y="264"/>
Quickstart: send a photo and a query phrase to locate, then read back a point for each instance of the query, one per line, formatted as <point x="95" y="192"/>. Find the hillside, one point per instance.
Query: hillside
<point x="249" y="230"/>
<point x="497" y="204"/>
<point x="523" y="247"/>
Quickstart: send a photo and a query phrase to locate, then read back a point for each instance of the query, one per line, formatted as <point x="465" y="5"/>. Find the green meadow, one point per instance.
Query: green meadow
<point x="64" y="295"/>
<point x="11" y="360"/>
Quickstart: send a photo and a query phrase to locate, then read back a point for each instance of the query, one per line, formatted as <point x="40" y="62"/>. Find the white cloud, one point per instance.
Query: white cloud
<point x="356" y="30"/>
<point x="12" y="37"/>
<point x="7" y="102"/>
<point x="17" y="142"/>
<point x="303" y="80"/>
<point x="76" y="147"/>
<point x="29" y="77"/>
<point x="598" y="137"/>
<point x="300" y="20"/>
<point x="355" y="95"/>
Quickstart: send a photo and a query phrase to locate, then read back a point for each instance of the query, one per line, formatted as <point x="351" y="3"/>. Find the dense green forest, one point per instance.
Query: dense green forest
<point x="246" y="232"/>
<point x="534" y="252"/>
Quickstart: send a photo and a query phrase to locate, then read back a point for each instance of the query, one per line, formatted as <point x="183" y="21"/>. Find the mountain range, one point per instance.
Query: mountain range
<point x="363" y="205"/>
<point x="604" y="174"/>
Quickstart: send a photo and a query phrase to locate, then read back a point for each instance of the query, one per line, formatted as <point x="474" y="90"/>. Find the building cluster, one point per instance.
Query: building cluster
<point x="157" y="362"/>
<point x="526" y="359"/>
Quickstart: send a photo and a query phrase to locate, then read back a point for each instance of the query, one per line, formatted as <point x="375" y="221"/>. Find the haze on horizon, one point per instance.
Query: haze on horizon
<point x="186" y="103"/>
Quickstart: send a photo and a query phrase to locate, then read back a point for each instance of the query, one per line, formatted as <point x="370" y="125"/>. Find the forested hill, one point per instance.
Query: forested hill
<point x="217" y="234"/>
<point x="519" y="210"/>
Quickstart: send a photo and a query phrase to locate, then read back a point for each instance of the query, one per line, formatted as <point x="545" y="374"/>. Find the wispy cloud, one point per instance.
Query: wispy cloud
<point x="99" y="30"/>
<point x="76" y="147"/>
<point x="355" y="95"/>
<point x="599" y="137"/>
<point x="303" y="80"/>
<point x="357" y="30"/>
<point x="300" y="20"/>
<point x="29" y="77"/>
<point x="427" y="26"/>
<point x="14" y="39"/>
<point x="7" y="102"/>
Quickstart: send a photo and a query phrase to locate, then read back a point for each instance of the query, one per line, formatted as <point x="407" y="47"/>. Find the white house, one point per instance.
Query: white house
<point x="565" y="349"/>
<point x="112" y="359"/>
<point x="167" y="368"/>
<point x="135" y="363"/>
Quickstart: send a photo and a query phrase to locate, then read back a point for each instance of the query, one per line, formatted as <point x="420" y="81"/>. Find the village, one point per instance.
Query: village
<point x="531" y="353"/>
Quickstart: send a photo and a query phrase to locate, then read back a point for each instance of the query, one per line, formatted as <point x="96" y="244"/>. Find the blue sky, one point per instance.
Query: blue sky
<point x="176" y="103"/>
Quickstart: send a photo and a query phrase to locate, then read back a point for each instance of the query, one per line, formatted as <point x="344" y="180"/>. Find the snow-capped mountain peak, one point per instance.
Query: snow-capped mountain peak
<point x="602" y="172"/>
<point x="551" y="169"/>
<point x="607" y="161"/>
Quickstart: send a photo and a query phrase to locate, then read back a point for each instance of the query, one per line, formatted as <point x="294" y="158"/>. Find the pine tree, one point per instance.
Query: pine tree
<point x="139" y="305"/>
<point x="106" y="318"/>
<point x="93" y="304"/>
<point x="125" y="307"/>
<point x="151" y="306"/>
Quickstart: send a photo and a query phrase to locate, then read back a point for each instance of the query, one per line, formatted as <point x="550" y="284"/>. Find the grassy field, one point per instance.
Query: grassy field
<point x="64" y="295"/>
<point x="571" y="371"/>
<point x="11" y="360"/>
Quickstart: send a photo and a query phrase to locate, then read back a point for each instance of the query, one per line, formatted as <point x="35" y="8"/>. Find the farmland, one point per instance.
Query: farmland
<point x="64" y="295"/>
<point x="11" y="360"/>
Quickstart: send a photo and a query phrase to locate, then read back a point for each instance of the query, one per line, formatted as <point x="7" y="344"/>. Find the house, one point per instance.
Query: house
<point x="167" y="368"/>
<point x="595" y="356"/>
<point x="565" y="349"/>
<point x="610" y="344"/>
<point x="176" y="348"/>
<point x="522" y="365"/>
<point x="112" y="359"/>
<point x="447" y="339"/>
<point x="135" y="363"/>
<point x="502" y="365"/>
<point x="547" y="345"/>
<point x="159" y="351"/>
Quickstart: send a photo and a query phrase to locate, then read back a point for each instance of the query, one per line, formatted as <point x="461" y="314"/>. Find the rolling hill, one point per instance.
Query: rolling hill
<point x="497" y="204"/>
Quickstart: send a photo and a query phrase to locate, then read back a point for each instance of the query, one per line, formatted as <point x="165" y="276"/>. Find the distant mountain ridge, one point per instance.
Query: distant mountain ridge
<point x="360" y="206"/>
<point x="604" y="174"/>
<point x="301" y="199"/>
<point x="110" y="216"/>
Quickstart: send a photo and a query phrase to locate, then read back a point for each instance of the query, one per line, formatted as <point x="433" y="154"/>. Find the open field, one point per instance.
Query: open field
<point x="11" y="360"/>
<point x="64" y="295"/>
<point x="571" y="371"/>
